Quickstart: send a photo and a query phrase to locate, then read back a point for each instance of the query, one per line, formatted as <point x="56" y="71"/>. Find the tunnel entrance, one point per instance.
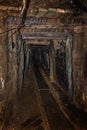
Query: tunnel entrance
<point x="54" y="59"/>
<point x="39" y="56"/>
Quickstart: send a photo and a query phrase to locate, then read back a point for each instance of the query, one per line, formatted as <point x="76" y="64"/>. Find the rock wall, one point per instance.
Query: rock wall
<point x="12" y="59"/>
<point x="8" y="71"/>
<point x="79" y="63"/>
<point x="3" y="64"/>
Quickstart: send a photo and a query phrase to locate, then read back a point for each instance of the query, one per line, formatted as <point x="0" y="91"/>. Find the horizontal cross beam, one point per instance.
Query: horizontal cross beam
<point x="44" y="36"/>
<point x="37" y="42"/>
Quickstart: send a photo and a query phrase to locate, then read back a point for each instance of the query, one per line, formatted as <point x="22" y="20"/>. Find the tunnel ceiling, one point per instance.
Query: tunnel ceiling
<point x="62" y="4"/>
<point x="36" y="3"/>
<point x="48" y="3"/>
<point x="61" y="11"/>
<point x="74" y="6"/>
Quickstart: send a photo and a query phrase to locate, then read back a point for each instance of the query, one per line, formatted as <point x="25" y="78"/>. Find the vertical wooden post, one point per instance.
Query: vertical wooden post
<point x="2" y="54"/>
<point x="27" y="57"/>
<point x="21" y="63"/>
<point x="52" y="62"/>
<point x="69" y="65"/>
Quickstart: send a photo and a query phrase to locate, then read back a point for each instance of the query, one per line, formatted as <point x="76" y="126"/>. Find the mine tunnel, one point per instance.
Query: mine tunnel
<point x="43" y="65"/>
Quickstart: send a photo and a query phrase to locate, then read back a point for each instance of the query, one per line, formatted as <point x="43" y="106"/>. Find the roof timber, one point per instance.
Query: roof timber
<point x="11" y="3"/>
<point x="44" y="36"/>
<point x="32" y="20"/>
<point x="48" y="3"/>
<point x="9" y="8"/>
<point x="50" y="12"/>
<point x="43" y="22"/>
<point x="37" y="42"/>
<point x="34" y="12"/>
<point x="54" y="4"/>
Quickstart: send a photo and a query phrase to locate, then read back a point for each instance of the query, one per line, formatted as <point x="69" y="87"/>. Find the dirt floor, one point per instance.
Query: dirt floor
<point x="28" y="111"/>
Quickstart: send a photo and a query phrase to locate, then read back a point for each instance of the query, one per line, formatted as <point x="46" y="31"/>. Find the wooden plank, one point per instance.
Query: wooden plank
<point x="45" y="35"/>
<point x="9" y="8"/>
<point x="32" y="20"/>
<point x="37" y="43"/>
<point x="11" y="3"/>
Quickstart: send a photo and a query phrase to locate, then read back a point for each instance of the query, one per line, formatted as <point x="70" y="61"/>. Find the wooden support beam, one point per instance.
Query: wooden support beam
<point x="44" y="36"/>
<point x="32" y="20"/>
<point x="47" y="12"/>
<point x="35" y="42"/>
<point x="52" y="61"/>
<point x="9" y="8"/>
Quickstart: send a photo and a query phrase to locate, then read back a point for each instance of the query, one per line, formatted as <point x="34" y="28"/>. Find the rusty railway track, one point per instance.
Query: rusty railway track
<point x="46" y="87"/>
<point x="57" y="99"/>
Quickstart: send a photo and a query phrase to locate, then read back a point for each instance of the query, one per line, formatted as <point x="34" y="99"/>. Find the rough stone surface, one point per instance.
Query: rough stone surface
<point x="2" y="65"/>
<point x="79" y="66"/>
